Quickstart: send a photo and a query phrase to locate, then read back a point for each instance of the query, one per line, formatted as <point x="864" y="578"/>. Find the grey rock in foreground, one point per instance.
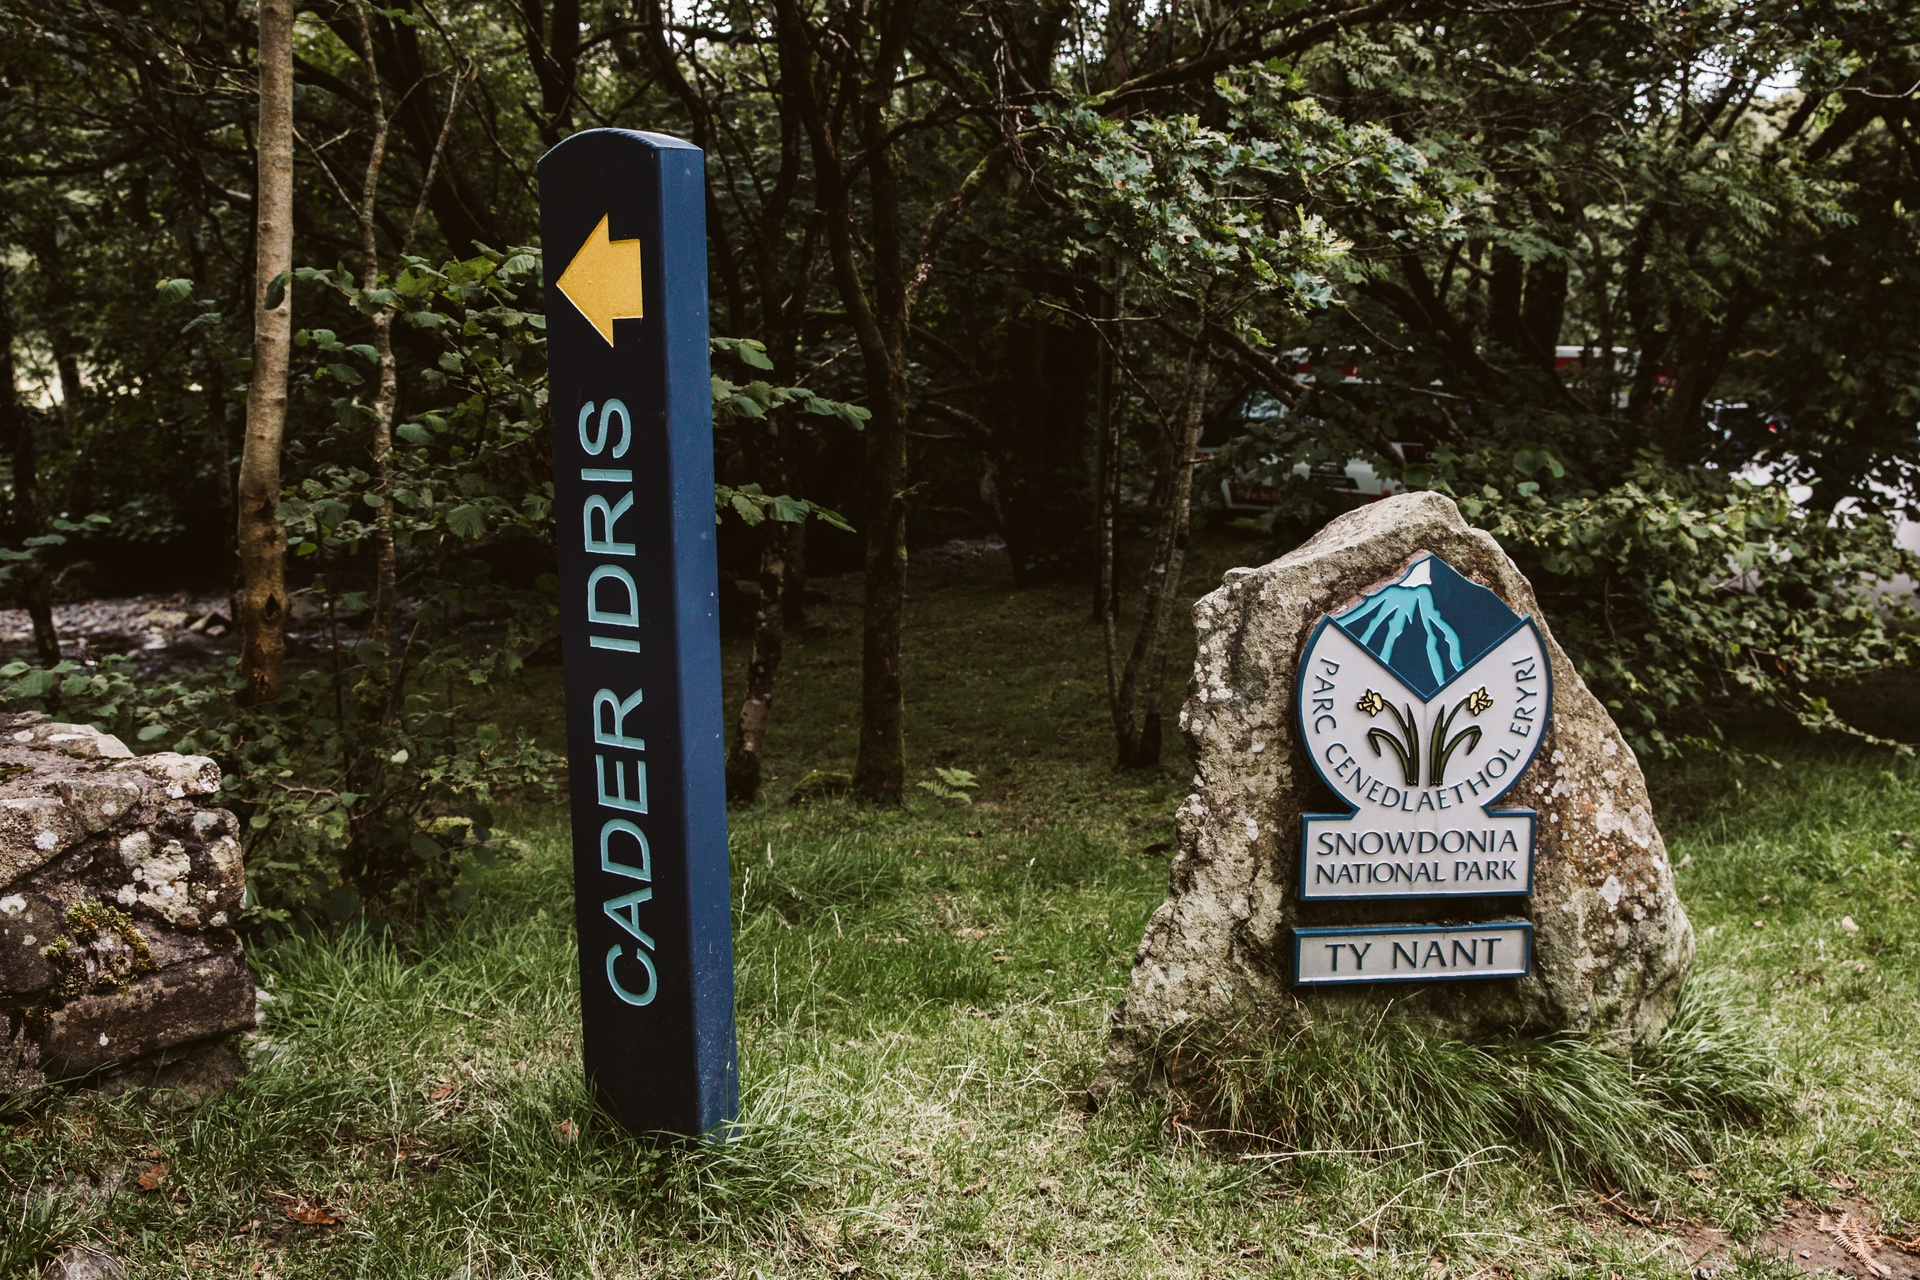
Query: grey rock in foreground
<point x="119" y="888"/>
<point x="83" y="1263"/>
<point x="1611" y="941"/>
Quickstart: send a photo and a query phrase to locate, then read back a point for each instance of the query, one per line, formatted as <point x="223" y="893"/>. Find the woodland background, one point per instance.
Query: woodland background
<point x="976" y="268"/>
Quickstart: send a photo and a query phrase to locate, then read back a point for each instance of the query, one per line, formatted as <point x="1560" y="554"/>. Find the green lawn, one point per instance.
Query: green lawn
<point x="923" y="999"/>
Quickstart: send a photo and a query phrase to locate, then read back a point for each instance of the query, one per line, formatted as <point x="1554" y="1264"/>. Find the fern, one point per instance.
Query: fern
<point x="952" y="784"/>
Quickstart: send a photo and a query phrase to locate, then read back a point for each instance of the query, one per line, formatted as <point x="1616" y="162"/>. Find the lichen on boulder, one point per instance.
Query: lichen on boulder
<point x="120" y="886"/>
<point x="1611" y="943"/>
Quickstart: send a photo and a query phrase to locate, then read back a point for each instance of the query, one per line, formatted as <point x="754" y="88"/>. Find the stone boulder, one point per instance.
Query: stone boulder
<point x="119" y="888"/>
<point x="1611" y="941"/>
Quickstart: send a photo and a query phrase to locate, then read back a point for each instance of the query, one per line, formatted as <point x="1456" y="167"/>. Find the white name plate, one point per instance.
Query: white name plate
<point x="1412" y="953"/>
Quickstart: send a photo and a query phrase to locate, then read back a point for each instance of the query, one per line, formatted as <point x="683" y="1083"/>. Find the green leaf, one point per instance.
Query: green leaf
<point x="412" y="433"/>
<point x="276" y="291"/>
<point x="467" y="521"/>
<point x="153" y="731"/>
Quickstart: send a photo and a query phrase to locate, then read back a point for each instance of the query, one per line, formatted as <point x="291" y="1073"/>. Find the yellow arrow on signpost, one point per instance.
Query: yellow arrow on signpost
<point x="603" y="280"/>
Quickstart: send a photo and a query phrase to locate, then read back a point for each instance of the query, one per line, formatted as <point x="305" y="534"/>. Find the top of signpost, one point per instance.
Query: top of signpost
<point x="663" y="141"/>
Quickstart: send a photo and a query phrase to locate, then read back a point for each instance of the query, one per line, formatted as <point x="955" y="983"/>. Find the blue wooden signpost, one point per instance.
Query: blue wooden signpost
<point x="623" y="221"/>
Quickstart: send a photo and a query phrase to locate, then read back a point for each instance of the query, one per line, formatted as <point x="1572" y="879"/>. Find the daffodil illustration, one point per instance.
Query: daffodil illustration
<point x="1443" y="746"/>
<point x="1406" y="748"/>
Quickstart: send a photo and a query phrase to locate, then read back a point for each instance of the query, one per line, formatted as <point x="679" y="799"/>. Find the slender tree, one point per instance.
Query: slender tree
<point x="16" y="436"/>
<point x="386" y="395"/>
<point x="857" y="71"/>
<point x="262" y="540"/>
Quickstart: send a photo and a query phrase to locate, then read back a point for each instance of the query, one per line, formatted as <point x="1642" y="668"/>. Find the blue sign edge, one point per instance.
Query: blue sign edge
<point x="1299" y="716"/>
<point x="696" y="595"/>
<point x="1301" y="935"/>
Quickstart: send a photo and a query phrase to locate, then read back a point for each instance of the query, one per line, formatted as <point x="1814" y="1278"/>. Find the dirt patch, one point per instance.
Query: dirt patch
<point x="1844" y="1241"/>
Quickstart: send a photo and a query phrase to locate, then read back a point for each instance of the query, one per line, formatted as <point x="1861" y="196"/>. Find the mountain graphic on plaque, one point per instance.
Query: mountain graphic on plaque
<point x="1420" y="707"/>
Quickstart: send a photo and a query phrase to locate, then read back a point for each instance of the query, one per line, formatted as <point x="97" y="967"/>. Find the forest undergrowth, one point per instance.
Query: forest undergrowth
<point x="923" y="998"/>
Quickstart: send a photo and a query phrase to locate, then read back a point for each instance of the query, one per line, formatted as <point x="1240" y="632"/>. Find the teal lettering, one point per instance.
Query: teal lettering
<point x="618" y="798"/>
<point x="607" y="700"/>
<point x="646" y="962"/>
<point x="619" y="827"/>
<point x="613" y="573"/>
<point x="625" y="912"/>
<point x="605" y="545"/>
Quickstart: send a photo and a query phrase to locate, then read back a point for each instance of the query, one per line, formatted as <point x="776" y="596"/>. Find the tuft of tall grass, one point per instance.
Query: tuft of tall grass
<point x="1388" y="1085"/>
<point x="804" y="880"/>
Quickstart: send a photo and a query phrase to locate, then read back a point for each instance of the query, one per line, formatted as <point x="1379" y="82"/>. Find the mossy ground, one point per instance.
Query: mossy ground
<point x="923" y="998"/>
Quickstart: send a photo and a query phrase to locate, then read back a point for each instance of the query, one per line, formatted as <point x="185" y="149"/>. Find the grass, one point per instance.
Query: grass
<point x="923" y="1000"/>
<point x="1565" y="1105"/>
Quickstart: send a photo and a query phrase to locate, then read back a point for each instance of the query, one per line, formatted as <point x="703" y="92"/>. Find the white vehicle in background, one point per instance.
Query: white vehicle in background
<point x="1357" y="477"/>
<point x="1243" y="494"/>
<point x="1754" y="455"/>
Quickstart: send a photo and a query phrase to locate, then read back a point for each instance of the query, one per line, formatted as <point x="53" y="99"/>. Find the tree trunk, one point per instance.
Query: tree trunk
<point x="1139" y="740"/>
<point x="880" y="318"/>
<point x="263" y="543"/>
<point x="880" y="324"/>
<point x="763" y="666"/>
<point x="1111" y="411"/>
<point x="879" y="771"/>
<point x="16" y="431"/>
<point x="380" y="450"/>
<point x="793" y="603"/>
<point x="387" y="385"/>
<point x="1181" y="524"/>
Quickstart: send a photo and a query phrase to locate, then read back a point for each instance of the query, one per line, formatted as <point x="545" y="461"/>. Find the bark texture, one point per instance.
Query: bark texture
<point x="262" y="540"/>
<point x="1611" y="941"/>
